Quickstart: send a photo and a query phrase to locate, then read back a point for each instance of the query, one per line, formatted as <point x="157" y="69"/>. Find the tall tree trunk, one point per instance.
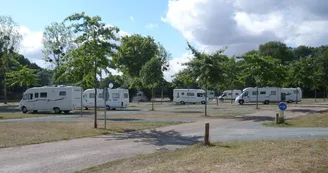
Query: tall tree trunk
<point x="162" y="96"/>
<point x="315" y="95"/>
<point x="5" y="89"/>
<point x="257" y="97"/>
<point x="152" y="102"/>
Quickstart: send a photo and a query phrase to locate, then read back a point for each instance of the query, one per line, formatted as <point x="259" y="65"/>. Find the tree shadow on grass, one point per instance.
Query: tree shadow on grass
<point x="253" y="118"/>
<point x="159" y="138"/>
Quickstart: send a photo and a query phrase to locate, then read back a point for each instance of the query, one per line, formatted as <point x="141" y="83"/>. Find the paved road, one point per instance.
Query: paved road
<point x="72" y="155"/>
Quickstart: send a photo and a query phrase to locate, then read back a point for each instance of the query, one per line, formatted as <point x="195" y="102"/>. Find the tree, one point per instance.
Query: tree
<point x="231" y="75"/>
<point x="207" y="68"/>
<point x="94" y="48"/>
<point x="265" y="71"/>
<point x="277" y="50"/>
<point x="45" y="77"/>
<point x="151" y="75"/>
<point x="57" y="42"/>
<point x="24" y="77"/>
<point x="302" y="51"/>
<point x="10" y="38"/>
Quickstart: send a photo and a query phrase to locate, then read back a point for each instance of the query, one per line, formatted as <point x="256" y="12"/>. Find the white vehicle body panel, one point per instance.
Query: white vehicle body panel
<point x="46" y="98"/>
<point x="189" y="96"/>
<point x="118" y="98"/>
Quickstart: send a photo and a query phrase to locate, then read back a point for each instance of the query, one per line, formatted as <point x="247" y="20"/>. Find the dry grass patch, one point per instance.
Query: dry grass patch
<point x="311" y="120"/>
<point x="24" y="133"/>
<point x="241" y="157"/>
<point x="27" y="115"/>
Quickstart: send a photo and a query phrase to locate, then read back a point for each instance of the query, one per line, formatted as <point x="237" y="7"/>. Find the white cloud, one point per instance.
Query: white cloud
<point x="132" y="19"/>
<point x="176" y="65"/>
<point x="151" y="26"/>
<point x="243" y="25"/>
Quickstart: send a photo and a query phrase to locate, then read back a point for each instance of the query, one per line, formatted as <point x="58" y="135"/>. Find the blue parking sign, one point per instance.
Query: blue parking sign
<point x="282" y="106"/>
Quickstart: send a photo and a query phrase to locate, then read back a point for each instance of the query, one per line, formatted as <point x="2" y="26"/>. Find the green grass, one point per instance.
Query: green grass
<point x="251" y="156"/>
<point x="311" y="120"/>
<point x="24" y="133"/>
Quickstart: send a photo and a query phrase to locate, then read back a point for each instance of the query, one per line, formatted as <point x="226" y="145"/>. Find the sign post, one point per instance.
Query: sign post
<point x="282" y="106"/>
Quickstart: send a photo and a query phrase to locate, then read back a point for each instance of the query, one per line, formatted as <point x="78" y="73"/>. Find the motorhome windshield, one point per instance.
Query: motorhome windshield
<point x="200" y="94"/>
<point x="224" y="94"/>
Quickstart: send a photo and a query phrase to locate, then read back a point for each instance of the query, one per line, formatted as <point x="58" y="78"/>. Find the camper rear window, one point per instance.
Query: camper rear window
<point x="43" y="95"/>
<point x="36" y="95"/>
<point x="115" y="95"/>
<point x="92" y="95"/>
<point x="126" y="95"/>
<point x="190" y="94"/>
<point x="62" y="93"/>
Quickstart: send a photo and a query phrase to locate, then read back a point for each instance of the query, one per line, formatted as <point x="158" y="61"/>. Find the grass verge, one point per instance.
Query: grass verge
<point x="243" y="157"/>
<point x="24" y="133"/>
<point x="27" y="115"/>
<point x="312" y="120"/>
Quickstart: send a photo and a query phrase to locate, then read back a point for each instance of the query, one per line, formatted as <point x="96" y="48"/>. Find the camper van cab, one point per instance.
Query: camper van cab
<point x="51" y="98"/>
<point x="230" y="94"/>
<point x="269" y="94"/>
<point x="118" y="98"/>
<point x="139" y="97"/>
<point x="184" y="96"/>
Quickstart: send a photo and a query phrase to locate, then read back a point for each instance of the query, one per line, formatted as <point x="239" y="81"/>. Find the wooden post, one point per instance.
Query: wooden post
<point x="207" y="134"/>
<point x="277" y="118"/>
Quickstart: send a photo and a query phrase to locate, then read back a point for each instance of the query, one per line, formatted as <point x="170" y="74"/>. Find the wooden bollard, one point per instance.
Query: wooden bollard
<point x="207" y="134"/>
<point x="277" y="118"/>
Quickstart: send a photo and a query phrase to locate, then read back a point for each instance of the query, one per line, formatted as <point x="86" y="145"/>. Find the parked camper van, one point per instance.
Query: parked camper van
<point x="184" y="96"/>
<point x="292" y="94"/>
<point x="210" y="94"/>
<point x="51" y="98"/>
<point x="230" y="94"/>
<point x="118" y="98"/>
<point x="269" y="94"/>
<point x="140" y="97"/>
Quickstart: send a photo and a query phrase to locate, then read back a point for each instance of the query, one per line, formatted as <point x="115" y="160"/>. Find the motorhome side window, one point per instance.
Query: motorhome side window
<point x="237" y="94"/>
<point x="262" y="92"/>
<point x="62" y="93"/>
<point x="199" y="94"/>
<point x="273" y="93"/>
<point x="190" y="94"/>
<point x="182" y="93"/>
<point x="116" y="95"/>
<point x="246" y="93"/>
<point x="43" y="95"/>
<point x="229" y="94"/>
<point x="36" y="95"/>
<point x="254" y="93"/>
<point x="126" y="95"/>
<point x="177" y="95"/>
<point x="92" y="95"/>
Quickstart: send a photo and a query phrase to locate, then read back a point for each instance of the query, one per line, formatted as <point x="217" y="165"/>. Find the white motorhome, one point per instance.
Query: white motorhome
<point x="51" y="98"/>
<point x="210" y="94"/>
<point x="230" y="94"/>
<point x="292" y="94"/>
<point x="269" y="94"/>
<point x="184" y="96"/>
<point x="140" y="97"/>
<point x="118" y="98"/>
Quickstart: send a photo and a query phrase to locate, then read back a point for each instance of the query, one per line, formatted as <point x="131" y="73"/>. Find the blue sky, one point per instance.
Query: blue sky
<point x="36" y="14"/>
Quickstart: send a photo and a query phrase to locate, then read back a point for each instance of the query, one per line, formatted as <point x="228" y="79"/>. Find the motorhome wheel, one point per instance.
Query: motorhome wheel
<point x="266" y="102"/>
<point x="57" y="110"/>
<point x="66" y="112"/>
<point x="24" y="110"/>
<point x="241" y="102"/>
<point x="107" y="107"/>
<point x="182" y="102"/>
<point x="202" y="102"/>
<point x="35" y="111"/>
